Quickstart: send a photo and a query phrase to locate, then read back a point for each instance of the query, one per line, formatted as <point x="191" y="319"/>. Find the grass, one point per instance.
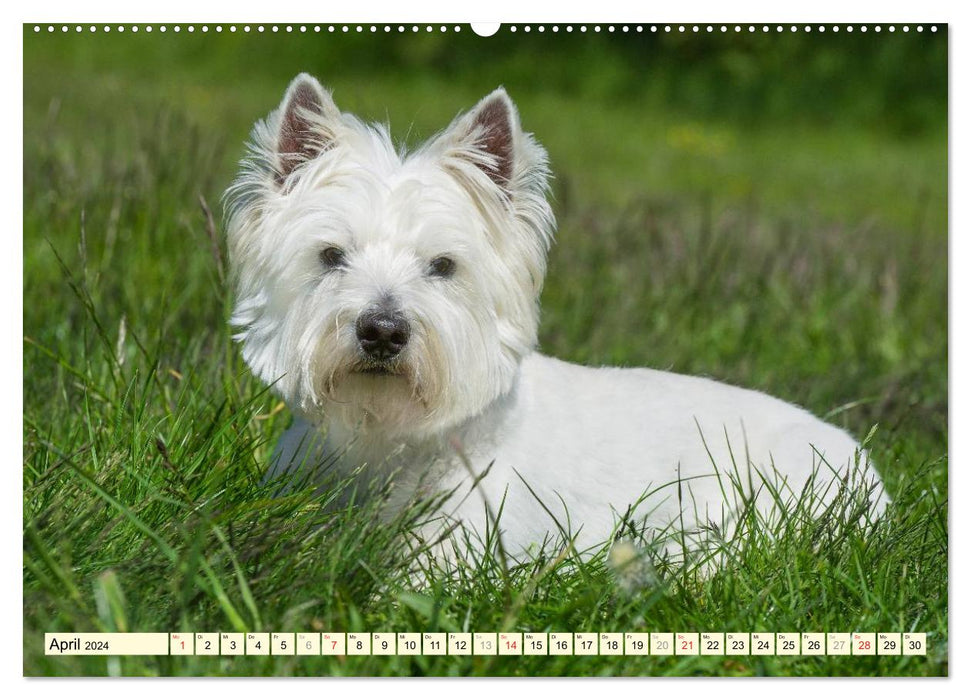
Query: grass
<point x="809" y="263"/>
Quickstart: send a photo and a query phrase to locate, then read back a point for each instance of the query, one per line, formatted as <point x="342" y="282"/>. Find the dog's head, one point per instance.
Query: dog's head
<point x="388" y="291"/>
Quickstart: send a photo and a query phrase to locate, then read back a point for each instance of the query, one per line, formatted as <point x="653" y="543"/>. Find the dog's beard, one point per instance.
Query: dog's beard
<point x="376" y="400"/>
<point x="403" y="396"/>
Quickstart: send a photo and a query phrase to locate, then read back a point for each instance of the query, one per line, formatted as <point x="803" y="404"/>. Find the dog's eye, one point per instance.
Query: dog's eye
<point x="332" y="257"/>
<point x="442" y="267"/>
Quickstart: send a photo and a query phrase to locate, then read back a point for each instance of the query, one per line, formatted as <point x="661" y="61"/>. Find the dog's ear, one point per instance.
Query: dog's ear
<point x="307" y="124"/>
<point x="490" y="138"/>
<point x="492" y="127"/>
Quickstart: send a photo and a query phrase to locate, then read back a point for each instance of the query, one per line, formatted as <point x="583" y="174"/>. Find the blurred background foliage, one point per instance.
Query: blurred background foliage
<point x="890" y="81"/>
<point x="782" y="119"/>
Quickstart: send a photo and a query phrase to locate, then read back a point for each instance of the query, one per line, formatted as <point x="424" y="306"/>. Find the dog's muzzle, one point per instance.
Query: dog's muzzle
<point x="382" y="334"/>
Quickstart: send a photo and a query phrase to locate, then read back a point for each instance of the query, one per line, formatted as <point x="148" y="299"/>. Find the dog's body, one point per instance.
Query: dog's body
<point x="549" y="452"/>
<point x="392" y="300"/>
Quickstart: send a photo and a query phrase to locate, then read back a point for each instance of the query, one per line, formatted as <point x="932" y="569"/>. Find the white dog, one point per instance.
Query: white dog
<point x="391" y="299"/>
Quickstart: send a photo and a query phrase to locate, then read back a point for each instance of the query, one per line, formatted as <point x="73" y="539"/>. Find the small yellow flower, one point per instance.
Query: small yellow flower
<point x="631" y="567"/>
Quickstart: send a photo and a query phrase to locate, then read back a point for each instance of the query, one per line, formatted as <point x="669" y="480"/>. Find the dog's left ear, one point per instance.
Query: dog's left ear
<point x="492" y="128"/>
<point x="490" y="137"/>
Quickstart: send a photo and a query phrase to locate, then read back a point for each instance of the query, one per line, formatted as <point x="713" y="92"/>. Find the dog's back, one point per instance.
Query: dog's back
<point x="581" y="446"/>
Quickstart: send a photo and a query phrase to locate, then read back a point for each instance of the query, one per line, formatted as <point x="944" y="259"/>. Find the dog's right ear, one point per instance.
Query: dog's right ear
<point x="307" y="124"/>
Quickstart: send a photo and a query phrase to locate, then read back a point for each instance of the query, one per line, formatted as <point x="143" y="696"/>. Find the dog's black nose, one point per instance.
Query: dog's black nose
<point x="381" y="334"/>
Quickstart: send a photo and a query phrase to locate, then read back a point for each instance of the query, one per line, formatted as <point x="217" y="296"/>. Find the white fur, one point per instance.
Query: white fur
<point x="563" y="447"/>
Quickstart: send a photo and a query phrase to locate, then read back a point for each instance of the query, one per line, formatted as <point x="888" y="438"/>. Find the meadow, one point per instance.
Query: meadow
<point x="767" y="211"/>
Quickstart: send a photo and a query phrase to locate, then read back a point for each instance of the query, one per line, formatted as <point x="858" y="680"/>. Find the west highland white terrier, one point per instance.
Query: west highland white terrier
<point x="391" y="299"/>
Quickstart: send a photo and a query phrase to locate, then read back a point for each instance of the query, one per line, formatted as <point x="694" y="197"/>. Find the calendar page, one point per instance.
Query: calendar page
<point x="515" y="349"/>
